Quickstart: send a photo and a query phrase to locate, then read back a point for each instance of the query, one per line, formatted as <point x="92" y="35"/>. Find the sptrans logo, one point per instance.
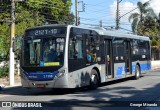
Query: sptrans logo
<point x="21" y="104"/>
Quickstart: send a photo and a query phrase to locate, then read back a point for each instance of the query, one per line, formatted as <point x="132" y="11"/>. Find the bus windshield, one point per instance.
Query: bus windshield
<point x="44" y="51"/>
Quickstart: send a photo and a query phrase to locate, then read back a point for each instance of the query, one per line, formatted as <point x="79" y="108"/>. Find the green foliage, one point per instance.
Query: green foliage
<point x="139" y="18"/>
<point x="4" y="70"/>
<point x="4" y="40"/>
<point x="146" y="23"/>
<point x="153" y="42"/>
<point x="32" y="13"/>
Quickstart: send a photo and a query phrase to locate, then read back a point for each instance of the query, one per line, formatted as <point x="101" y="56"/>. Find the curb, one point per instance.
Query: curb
<point x="157" y="68"/>
<point x="2" y="88"/>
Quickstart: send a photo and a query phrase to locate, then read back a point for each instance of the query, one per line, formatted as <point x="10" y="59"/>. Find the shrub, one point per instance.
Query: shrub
<point x="4" y="70"/>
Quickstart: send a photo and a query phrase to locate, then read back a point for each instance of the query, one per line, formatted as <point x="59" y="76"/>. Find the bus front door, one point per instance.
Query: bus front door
<point x="127" y="57"/>
<point x="108" y="59"/>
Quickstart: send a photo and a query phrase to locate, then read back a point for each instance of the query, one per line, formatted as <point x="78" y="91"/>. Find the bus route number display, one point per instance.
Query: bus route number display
<point x="45" y="31"/>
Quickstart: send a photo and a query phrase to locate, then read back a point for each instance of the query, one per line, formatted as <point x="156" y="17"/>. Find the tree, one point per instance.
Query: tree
<point x="157" y="18"/>
<point x="32" y="13"/>
<point x="152" y="28"/>
<point x="139" y="17"/>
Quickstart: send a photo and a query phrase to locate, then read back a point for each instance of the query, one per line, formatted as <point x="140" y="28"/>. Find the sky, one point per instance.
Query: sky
<point x="105" y="10"/>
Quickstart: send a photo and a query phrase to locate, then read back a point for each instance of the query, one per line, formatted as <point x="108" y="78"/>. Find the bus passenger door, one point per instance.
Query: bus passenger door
<point x="108" y="59"/>
<point x="128" y="64"/>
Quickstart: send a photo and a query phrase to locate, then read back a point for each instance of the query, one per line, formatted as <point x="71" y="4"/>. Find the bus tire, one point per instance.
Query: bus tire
<point x="94" y="80"/>
<point x="137" y="72"/>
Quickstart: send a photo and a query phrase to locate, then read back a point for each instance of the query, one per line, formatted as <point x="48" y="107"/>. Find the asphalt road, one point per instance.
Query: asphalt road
<point x="111" y="94"/>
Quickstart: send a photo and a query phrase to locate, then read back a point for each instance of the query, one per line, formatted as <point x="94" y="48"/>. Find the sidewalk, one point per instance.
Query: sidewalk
<point x="4" y="83"/>
<point x="10" y="87"/>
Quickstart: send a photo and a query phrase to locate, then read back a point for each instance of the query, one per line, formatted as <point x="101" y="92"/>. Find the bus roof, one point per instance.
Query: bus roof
<point x="112" y="33"/>
<point x="115" y="33"/>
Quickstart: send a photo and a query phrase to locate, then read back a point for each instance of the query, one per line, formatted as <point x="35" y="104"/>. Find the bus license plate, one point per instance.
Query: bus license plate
<point x="40" y="85"/>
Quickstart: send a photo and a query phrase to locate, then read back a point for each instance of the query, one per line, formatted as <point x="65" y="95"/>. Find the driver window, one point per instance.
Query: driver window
<point x="50" y="52"/>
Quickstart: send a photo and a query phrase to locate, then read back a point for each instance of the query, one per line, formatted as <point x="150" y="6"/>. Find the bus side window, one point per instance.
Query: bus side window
<point x="143" y="49"/>
<point x="75" y="49"/>
<point x="71" y="49"/>
<point x="118" y="50"/>
<point x="79" y="49"/>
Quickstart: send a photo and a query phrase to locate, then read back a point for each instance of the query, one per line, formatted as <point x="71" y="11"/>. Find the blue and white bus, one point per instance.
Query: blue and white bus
<point x="66" y="56"/>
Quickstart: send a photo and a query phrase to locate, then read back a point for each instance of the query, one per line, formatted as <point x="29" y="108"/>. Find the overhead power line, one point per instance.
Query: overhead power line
<point x="118" y="15"/>
<point x="128" y="12"/>
<point x="96" y="4"/>
<point x="132" y="10"/>
<point x="98" y="12"/>
<point x="125" y="29"/>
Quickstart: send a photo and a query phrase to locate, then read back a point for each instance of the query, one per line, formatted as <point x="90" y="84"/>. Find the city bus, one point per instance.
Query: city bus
<point x="66" y="56"/>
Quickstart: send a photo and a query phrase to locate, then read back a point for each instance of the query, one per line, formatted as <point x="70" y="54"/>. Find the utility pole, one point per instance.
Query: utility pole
<point x="12" y="34"/>
<point x="100" y="23"/>
<point x="76" y="7"/>
<point x="77" y="11"/>
<point x="118" y="14"/>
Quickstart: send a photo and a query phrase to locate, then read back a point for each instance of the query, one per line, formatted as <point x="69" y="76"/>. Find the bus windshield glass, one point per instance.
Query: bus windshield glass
<point x="47" y="51"/>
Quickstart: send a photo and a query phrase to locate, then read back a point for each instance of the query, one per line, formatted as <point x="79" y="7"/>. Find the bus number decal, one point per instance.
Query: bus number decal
<point x="47" y="76"/>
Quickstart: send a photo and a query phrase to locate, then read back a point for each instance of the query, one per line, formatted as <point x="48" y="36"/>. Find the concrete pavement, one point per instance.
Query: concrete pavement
<point x="145" y="89"/>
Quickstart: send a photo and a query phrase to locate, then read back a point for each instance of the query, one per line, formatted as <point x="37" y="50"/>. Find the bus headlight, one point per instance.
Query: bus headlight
<point x="60" y="73"/>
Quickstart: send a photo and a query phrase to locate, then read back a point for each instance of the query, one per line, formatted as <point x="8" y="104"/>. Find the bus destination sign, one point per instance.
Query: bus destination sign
<point x="45" y="31"/>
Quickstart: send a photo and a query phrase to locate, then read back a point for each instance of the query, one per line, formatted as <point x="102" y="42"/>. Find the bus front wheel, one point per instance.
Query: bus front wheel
<point x="94" y="79"/>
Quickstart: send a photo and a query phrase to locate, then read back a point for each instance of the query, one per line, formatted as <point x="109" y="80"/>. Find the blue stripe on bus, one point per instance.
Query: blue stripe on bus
<point x="122" y="70"/>
<point x="44" y="76"/>
<point x="145" y="67"/>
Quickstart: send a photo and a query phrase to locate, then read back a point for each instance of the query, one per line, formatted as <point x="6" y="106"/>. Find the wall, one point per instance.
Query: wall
<point x="155" y="64"/>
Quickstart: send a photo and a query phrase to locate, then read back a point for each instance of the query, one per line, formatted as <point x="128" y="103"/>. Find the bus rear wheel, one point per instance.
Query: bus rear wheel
<point x="137" y="72"/>
<point x="94" y="81"/>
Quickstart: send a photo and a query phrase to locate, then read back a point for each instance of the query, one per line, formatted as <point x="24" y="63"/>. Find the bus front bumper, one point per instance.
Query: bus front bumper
<point x="55" y="83"/>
